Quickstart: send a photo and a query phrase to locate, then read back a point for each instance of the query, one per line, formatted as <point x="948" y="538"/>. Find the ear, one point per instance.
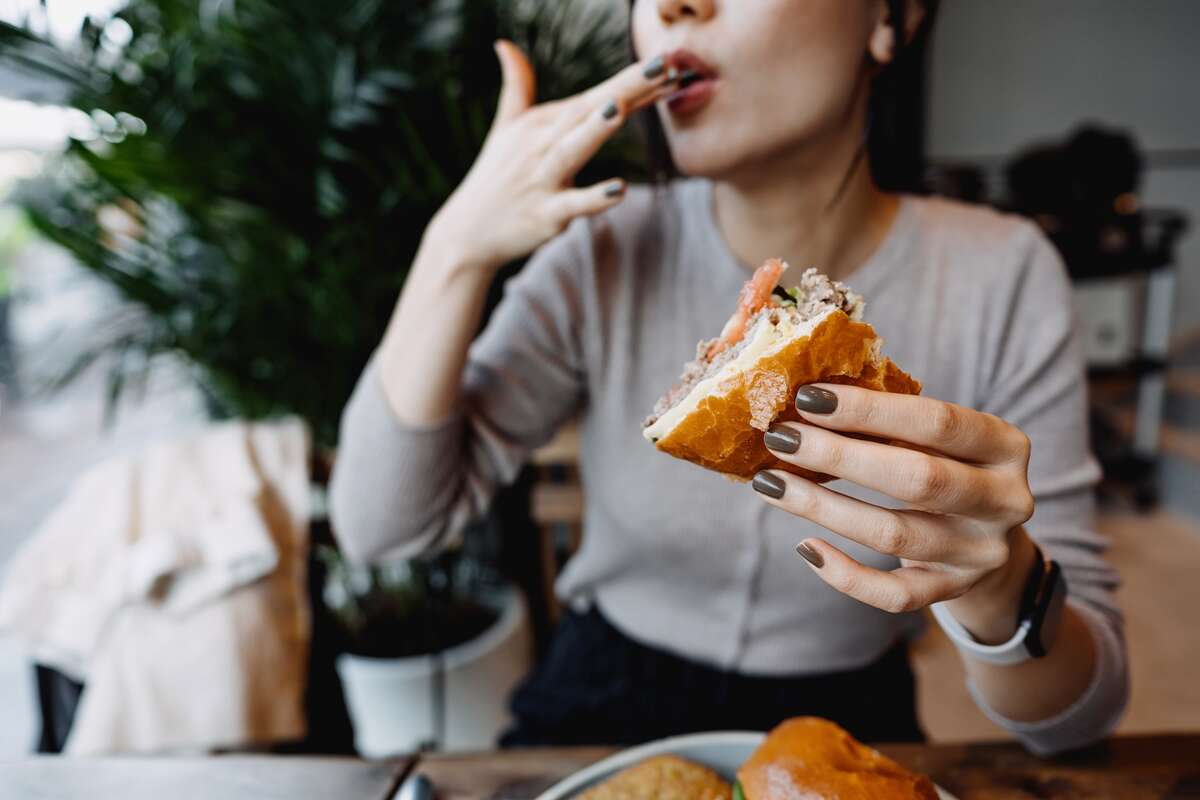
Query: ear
<point x="882" y="43"/>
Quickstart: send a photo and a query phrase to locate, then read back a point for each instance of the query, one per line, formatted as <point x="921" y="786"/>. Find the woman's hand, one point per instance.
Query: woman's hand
<point x="520" y="193"/>
<point x="962" y="474"/>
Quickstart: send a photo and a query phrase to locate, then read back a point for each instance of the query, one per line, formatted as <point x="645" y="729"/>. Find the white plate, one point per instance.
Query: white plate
<point x="724" y="752"/>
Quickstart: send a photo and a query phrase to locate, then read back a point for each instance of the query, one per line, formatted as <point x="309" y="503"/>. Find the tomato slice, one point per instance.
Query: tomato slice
<point x="754" y="295"/>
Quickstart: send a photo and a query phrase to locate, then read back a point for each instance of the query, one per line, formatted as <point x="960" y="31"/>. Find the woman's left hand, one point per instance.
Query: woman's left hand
<point x="962" y="475"/>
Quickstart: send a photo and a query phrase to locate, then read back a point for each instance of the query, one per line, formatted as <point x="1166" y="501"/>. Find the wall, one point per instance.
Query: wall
<point x="1006" y="74"/>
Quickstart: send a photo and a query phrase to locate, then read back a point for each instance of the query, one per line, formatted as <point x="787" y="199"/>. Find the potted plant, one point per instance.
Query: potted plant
<point x="430" y="650"/>
<point x="258" y="179"/>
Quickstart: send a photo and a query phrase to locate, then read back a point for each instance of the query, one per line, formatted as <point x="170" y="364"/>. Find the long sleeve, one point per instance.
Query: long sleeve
<point x="1039" y="386"/>
<point x="398" y="490"/>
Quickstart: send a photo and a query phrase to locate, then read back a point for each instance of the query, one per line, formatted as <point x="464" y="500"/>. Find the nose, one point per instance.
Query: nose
<point x="678" y="10"/>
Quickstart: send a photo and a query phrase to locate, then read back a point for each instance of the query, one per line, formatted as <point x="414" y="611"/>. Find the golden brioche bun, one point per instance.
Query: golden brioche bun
<point x="813" y="757"/>
<point x="725" y="430"/>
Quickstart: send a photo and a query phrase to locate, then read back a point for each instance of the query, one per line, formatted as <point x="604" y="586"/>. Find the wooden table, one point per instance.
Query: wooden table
<point x="1138" y="768"/>
<point x="211" y="778"/>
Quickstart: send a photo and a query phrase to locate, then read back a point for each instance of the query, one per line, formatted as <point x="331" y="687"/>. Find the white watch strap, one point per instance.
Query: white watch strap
<point x="1011" y="652"/>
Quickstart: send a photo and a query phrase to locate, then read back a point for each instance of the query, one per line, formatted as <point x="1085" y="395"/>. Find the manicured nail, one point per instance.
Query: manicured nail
<point x="768" y="484"/>
<point x="816" y="400"/>
<point x="614" y="189"/>
<point x="655" y="68"/>
<point x="781" y="439"/>
<point x="810" y="555"/>
<point x="610" y="110"/>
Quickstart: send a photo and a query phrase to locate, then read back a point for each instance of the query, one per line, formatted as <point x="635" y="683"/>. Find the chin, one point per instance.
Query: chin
<point x="704" y="155"/>
<point x="719" y="146"/>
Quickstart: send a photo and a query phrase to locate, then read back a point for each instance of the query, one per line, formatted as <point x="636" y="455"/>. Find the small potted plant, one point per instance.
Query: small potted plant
<point x="430" y="649"/>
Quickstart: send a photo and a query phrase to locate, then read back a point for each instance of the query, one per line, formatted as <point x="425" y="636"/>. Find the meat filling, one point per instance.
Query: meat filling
<point x="701" y="368"/>
<point x="814" y="296"/>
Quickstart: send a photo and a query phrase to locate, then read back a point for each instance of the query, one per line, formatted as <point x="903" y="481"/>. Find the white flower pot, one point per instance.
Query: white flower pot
<point x="391" y="699"/>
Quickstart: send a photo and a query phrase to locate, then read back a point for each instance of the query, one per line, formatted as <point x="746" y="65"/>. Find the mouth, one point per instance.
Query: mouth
<point x="696" y="83"/>
<point x="692" y="66"/>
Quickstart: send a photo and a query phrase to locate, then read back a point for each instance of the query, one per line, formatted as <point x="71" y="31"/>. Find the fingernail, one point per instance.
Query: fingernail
<point x="768" y="484"/>
<point x="610" y="110"/>
<point x="655" y="68"/>
<point x="614" y="189"/>
<point x="672" y="75"/>
<point x="816" y="400"/>
<point x="781" y="439"/>
<point x="810" y="555"/>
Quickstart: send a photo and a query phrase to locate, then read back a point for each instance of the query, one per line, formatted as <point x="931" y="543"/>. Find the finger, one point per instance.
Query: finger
<point x="635" y="87"/>
<point x="571" y="203"/>
<point x="928" y="481"/>
<point x="576" y="147"/>
<point x="587" y="121"/>
<point x="519" y="87"/>
<point x="901" y="590"/>
<point x="911" y="534"/>
<point x="954" y="430"/>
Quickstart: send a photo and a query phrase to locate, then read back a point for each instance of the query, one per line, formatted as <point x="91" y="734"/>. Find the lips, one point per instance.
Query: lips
<point x="688" y="62"/>
<point x="697" y="83"/>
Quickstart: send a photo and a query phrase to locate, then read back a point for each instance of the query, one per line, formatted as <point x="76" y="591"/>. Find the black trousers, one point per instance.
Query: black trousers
<point x="596" y="686"/>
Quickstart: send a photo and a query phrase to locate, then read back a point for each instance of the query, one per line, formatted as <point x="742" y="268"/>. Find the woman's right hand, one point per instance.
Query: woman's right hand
<point x="520" y="193"/>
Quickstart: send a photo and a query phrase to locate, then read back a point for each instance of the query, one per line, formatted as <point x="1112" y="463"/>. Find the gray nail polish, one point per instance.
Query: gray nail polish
<point x="610" y="110"/>
<point x="768" y="484"/>
<point x="614" y="189"/>
<point x="816" y="400"/>
<point x="655" y="68"/>
<point x="810" y="555"/>
<point x="781" y="439"/>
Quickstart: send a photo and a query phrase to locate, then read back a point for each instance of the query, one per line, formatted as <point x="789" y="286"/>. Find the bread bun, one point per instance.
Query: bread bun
<point x="813" y="757"/>
<point x="665" y="777"/>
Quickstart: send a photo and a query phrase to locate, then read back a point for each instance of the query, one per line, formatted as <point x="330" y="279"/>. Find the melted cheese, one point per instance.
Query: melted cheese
<point x="765" y="339"/>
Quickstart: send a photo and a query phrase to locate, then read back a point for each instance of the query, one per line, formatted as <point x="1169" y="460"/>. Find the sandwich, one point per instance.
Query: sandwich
<point x="745" y="379"/>
<point x="813" y="757"/>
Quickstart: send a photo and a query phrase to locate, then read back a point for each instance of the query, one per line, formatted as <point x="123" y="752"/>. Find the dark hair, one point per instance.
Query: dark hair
<point x="895" y="111"/>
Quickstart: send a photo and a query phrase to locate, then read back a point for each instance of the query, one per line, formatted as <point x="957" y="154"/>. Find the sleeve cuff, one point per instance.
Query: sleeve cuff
<point x="1095" y="714"/>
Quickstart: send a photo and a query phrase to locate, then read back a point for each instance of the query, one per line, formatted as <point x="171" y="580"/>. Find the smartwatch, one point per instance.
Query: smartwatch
<point x="1038" y="618"/>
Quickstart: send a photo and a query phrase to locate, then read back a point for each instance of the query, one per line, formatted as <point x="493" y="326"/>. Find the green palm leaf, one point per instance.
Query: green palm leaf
<point x="278" y="161"/>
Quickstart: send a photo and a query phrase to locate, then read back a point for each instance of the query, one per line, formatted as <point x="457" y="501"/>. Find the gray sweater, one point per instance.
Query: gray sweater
<point x="596" y="327"/>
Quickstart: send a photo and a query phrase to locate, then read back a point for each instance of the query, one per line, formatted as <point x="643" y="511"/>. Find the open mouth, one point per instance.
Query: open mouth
<point x="691" y="67"/>
<point x="695" y="84"/>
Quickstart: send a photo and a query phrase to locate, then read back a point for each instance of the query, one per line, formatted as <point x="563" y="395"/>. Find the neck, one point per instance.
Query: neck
<point x="805" y="209"/>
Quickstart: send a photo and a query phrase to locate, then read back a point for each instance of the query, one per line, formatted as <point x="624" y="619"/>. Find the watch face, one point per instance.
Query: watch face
<point x="1054" y="611"/>
<point x="1047" y="614"/>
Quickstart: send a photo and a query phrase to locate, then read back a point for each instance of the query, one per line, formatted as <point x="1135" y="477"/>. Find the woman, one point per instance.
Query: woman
<point x="699" y="604"/>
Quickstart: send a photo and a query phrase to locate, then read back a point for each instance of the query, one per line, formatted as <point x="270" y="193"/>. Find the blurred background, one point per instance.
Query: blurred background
<point x="206" y="212"/>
